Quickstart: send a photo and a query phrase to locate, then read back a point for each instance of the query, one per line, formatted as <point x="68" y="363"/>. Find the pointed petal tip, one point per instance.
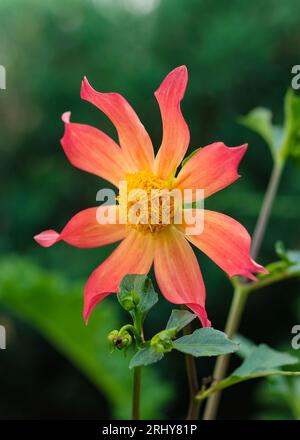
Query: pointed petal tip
<point x="85" y="88"/>
<point x="65" y="117"/>
<point x="201" y="313"/>
<point x="254" y="268"/>
<point x="47" y="238"/>
<point x="181" y="69"/>
<point x="86" y="317"/>
<point x="243" y="148"/>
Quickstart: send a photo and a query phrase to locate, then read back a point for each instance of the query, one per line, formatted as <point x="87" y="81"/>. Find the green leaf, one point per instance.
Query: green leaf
<point x="53" y="306"/>
<point x="283" y="141"/>
<point x="190" y="156"/>
<point x="179" y="319"/>
<point x="142" y="286"/>
<point x="205" y="342"/>
<point x="290" y="256"/>
<point x="245" y="346"/>
<point x="292" y="125"/>
<point x="262" y="361"/>
<point x="144" y="357"/>
<point x="260" y="121"/>
<point x="287" y="267"/>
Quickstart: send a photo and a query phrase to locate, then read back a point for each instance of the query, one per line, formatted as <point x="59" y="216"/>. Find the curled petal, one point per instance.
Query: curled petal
<point x="212" y="168"/>
<point x="176" y="135"/>
<point x="178" y="273"/>
<point x="227" y="243"/>
<point x="85" y="231"/>
<point x="89" y="149"/>
<point x="133" y="256"/>
<point x="134" y="139"/>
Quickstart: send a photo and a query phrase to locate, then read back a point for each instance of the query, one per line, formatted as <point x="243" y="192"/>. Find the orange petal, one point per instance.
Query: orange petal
<point x="176" y="135"/>
<point x="89" y="149"/>
<point x="85" y="231"/>
<point x="178" y="273"/>
<point x="133" y="256"/>
<point x="134" y="139"/>
<point x="227" y="243"/>
<point x="212" y="168"/>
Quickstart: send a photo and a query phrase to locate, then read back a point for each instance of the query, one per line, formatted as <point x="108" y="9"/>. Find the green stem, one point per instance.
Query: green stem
<point x="137" y="372"/>
<point x="236" y="310"/>
<point x="268" y="281"/>
<point x="191" y="371"/>
<point x="241" y="291"/>
<point x="136" y="395"/>
<point x="264" y="214"/>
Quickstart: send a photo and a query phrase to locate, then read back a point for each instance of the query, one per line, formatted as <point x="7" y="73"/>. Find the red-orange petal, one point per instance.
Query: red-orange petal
<point x="133" y="256"/>
<point x="91" y="150"/>
<point x="85" y="231"/>
<point x="176" y="135"/>
<point x="212" y="168"/>
<point x="227" y="243"/>
<point x="178" y="273"/>
<point x="134" y="139"/>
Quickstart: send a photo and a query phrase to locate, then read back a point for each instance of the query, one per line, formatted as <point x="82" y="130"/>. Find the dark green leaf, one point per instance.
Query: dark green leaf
<point x="144" y="357"/>
<point x="205" y="342"/>
<point x="179" y="319"/>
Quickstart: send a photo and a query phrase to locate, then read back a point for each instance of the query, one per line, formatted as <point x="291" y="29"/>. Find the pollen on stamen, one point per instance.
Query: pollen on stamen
<point x="148" y="204"/>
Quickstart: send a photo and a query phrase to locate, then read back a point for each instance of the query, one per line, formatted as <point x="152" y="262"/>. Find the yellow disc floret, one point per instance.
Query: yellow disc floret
<point x="148" y="203"/>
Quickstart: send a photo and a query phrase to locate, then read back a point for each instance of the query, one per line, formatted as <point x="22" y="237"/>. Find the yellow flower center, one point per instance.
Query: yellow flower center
<point x="148" y="204"/>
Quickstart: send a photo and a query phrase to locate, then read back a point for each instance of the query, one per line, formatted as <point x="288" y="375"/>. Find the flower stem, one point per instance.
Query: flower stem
<point x="236" y="310"/>
<point x="191" y="371"/>
<point x="136" y="395"/>
<point x="264" y="214"/>
<point x="241" y="292"/>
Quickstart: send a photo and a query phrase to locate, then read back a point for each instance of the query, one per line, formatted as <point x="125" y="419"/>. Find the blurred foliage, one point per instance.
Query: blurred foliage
<point x="239" y="55"/>
<point x="279" y="398"/>
<point x="54" y="307"/>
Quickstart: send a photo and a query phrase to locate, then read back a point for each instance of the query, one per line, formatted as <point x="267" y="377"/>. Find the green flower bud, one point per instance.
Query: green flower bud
<point x="119" y="339"/>
<point x="162" y="341"/>
<point x="111" y="337"/>
<point x="123" y="340"/>
<point x="129" y="301"/>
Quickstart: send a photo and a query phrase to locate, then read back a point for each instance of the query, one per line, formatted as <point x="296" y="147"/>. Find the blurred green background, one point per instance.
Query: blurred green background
<point x="239" y="55"/>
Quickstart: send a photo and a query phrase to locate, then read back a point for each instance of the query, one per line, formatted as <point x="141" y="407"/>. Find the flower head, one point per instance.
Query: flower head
<point x="145" y="237"/>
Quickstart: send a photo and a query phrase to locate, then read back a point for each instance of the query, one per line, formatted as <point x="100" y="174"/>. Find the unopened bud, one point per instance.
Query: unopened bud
<point x="162" y="342"/>
<point x="129" y="301"/>
<point x="119" y="339"/>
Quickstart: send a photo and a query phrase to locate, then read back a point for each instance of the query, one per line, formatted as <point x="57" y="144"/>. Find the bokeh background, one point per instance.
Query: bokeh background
<point x="239" y="55"/>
